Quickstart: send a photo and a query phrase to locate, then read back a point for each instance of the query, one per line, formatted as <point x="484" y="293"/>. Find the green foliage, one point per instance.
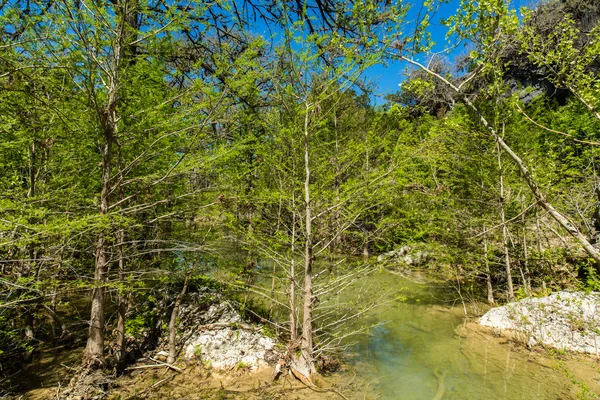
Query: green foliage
<point x="135" y="326"/>
<point x="11" y="339"/>
<point x="211" y="122"/>
<point x="592" y="280"/>
<point x="241" y="365"/>
<point x="521" y="293"/>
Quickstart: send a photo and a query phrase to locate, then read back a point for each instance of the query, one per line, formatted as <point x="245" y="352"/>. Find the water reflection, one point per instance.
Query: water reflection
<point x="426" y="351"/>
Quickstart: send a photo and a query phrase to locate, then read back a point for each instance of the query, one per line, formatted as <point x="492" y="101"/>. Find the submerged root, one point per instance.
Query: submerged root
<point x="441" y="376"/>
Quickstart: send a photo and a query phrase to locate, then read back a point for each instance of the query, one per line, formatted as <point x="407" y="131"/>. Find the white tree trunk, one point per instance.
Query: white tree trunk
<point x="307" y="328"/>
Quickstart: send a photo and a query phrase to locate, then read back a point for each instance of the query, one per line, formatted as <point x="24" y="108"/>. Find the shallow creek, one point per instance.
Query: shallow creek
<point x="425" y="350"/>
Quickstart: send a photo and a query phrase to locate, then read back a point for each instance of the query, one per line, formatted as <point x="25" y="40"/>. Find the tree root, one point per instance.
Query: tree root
<point x="160" y="365"/>
<point x="441" y="376"/>
<point x="309" y="384"/>
<point x="88" y="383"/>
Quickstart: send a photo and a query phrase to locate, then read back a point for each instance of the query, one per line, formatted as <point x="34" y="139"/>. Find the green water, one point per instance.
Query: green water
<point x="423" y="332"/>
<point x="426" y="334"/>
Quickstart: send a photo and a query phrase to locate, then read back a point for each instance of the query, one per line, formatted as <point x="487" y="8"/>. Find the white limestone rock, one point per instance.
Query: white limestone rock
<point x="405" y="255"/>
<point x="564" y="320"/>
<point x="212" y="331"/>
<point x="230" y="347"/>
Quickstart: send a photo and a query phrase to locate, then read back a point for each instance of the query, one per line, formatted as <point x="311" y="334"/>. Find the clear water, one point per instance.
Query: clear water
<point x="423" y="336"/>
<point x="426" y="335"/>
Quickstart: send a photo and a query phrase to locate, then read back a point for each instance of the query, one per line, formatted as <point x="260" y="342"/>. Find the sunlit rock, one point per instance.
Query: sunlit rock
<point x="406" y="255"/>
<point x="232" y="347"/>
<point x="568" y="321"/>
<point x="212" y="331"/>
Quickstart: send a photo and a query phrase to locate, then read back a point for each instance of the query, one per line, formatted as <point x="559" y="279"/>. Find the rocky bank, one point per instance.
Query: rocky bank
<point x="212" y="331"/>
<point x="568" y="321"/>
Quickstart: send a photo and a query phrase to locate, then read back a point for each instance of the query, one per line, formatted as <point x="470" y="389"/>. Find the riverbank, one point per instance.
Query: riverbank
<point x="421" y="347"/>
<point x="197" y="382"/>
<point x="50" y="373"/>
<point x="565" y="321"/>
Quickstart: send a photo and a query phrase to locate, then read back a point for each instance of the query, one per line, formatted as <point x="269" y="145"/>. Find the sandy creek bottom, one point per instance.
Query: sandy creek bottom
<point x="425" y="341"/>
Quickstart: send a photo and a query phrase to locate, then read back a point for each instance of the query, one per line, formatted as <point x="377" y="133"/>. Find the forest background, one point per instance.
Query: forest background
<point x="139" y="136"/>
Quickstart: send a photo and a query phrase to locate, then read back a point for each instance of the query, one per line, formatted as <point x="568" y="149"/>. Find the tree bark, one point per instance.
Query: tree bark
<point x="271" y="304"/>
<point x="122" y="303"/>
<point x="32" y="170"/>
<point x="509" y="282"/>
<point x="539" y="246"/>
<point x="173" y="321"/>
<point x="307" y="329"/>
<point x="57" y="321"/>
<point x="122" y="294"/>
<point x="527" y="277"/>
<point x="94" y="351"/>
<point x="337" y="242"/>
<point x="131" y="24"/>
<point x="490" y="288"/>
<point x="28" y="325"/>
<point x="292" y="273"/>
<point x="31" y="263"/>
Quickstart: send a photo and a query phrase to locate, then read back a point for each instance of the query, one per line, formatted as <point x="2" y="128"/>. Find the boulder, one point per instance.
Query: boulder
<point x="231" y="347"/>
<point x="568" y="321"/>
<point x="405" y="255"/>
<point x="212" y="331"/>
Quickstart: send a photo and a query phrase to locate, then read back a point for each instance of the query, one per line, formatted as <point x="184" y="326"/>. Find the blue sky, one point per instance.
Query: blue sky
<point x="387" y="78"/>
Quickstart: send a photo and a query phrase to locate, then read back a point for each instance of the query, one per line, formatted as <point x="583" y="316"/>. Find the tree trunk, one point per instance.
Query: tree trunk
<point x="292" y="273"/>
<point x="595" y="230"/>
<point x="490" y="288"/>
<point x="56" y="321"/>
<point x="173" y="321"/>
<point x="307" y="329"/>
<point x="539" y="247"/>
<point x="122" y="294"/>
<point x="271" y="304"/>
<point x="94" y="350"/>
<point x="122" y="304"/>
<point x="28" y="334"/>
<point x="527" y="278"/>
<point x="32" y="171"/>
<point x="131" y="25"/>
<point x="337" y="241"/>
<point x="31" y="263"/>
<point x="509" y="282"/>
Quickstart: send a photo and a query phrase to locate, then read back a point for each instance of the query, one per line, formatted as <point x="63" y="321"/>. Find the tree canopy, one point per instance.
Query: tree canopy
<point x="137" y="138"/>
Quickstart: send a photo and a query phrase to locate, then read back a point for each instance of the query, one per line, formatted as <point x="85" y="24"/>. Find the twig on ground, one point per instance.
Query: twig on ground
<point x="174" y="368"/>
